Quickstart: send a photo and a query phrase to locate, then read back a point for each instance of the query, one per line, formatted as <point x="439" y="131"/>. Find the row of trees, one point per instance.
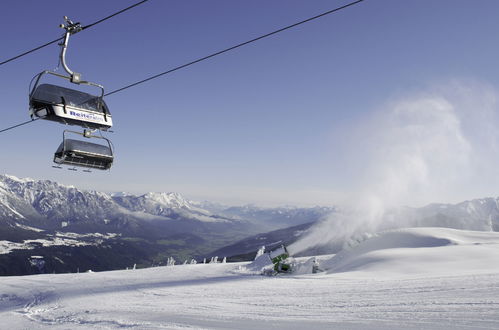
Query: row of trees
<point x="214" y="260"/>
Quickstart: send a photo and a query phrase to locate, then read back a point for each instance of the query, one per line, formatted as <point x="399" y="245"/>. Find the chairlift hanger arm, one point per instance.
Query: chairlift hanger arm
<point x="71" y="28"/>
<point x="74" y="77"/>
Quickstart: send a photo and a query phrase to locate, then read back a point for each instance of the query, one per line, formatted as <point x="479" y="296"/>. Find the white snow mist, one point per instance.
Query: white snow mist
<point x="437" y="146"/>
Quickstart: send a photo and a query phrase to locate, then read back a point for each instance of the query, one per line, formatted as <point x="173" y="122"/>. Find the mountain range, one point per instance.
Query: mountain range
<point x="36" y="217"/>
<point x="77" y="229"/>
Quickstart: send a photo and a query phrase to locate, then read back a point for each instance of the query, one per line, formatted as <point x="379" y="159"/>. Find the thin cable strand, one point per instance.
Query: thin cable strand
<point x="61" y="38"/>
<point x="234" y="47"/>
<point x="18" y="125"/>
<point x="112" y="15"/>
<point x="31" y="51"/>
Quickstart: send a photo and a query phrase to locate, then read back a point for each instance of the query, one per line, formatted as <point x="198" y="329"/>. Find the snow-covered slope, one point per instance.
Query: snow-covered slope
<point x="425" y="278"/>
<point x="416" y="251"/>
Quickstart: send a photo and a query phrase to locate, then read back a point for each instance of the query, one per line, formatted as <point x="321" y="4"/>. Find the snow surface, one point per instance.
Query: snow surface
<point x="424" y="278"/>
<point x="60" y="239"/>
<point x="38" y="230"/>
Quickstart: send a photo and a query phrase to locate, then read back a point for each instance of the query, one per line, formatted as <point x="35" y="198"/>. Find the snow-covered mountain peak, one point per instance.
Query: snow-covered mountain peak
<point x="120" y="194"/>
<point x="171" y="199"/>
<point x="15" y="178"/>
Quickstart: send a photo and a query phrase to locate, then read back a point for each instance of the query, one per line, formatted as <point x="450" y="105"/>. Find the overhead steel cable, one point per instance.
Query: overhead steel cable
<point x="234" y="47"/>
<point x="21" y="124"/>
<point x="112" y="15"/>
<point x="61" y="38"/>
<point x="31" y="51"/>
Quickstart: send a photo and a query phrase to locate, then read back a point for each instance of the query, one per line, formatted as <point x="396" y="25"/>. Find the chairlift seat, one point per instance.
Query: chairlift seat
<point x="69" y="106"/>
<point x="84" y="154"/>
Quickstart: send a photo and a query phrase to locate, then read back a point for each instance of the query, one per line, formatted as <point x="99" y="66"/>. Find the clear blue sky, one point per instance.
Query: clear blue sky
<point x="266" y="123"/>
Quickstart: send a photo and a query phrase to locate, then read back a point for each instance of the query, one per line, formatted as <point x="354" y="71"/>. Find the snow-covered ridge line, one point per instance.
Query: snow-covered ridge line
<point x="22" y="197"/>
<point x="163" y="197"/>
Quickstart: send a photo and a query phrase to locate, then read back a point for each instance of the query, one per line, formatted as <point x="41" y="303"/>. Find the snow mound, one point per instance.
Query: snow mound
<point x="258" y="265"/>
<point x="416" y="251"/>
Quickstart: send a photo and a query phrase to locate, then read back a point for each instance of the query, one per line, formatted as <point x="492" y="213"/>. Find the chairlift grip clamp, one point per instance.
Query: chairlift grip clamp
<point x="70" y="26"/>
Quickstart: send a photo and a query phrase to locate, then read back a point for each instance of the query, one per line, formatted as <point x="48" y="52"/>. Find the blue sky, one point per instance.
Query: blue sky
<point x="269" y="123"/>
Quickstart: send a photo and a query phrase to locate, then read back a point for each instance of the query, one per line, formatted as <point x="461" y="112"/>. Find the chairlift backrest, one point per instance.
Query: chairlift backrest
<point x="52" y="94"/>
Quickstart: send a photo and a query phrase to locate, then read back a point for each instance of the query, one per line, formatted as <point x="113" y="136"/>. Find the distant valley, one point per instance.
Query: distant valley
<point x="76" y="230"/>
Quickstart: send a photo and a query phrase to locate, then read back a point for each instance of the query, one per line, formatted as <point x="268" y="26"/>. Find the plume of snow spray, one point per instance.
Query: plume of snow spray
<point x="435" y="146"/>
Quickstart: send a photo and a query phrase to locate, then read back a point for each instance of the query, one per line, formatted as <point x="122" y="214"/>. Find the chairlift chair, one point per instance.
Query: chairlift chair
<point x="84" y="154"/>
<point x="69" y="106"/>
<point x="65" y="105"/>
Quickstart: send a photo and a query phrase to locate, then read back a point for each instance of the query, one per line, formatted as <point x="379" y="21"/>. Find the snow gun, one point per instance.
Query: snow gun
<point x="280" y="260"/>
